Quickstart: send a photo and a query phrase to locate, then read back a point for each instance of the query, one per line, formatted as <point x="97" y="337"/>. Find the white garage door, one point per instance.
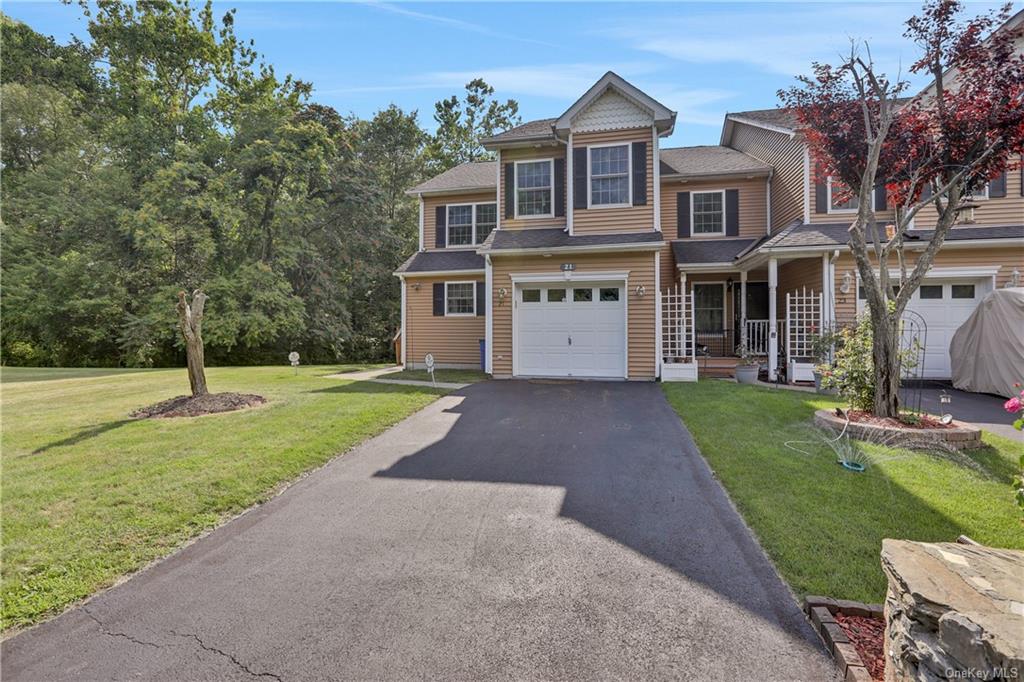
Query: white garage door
<point x="945" y="305"/>
<point x="571" y="329"/>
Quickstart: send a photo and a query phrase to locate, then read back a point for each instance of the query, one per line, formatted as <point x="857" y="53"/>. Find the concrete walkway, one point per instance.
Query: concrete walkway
<point x="508" y="531"/>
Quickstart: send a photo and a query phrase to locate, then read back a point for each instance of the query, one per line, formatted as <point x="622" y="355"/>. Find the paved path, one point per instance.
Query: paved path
<point x="511" y="530"/>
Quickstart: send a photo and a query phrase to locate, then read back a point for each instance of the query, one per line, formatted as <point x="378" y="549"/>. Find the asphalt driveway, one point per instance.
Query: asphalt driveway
<point x="511" y="530"/>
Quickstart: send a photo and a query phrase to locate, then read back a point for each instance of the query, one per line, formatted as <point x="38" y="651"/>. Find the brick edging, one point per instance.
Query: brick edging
<point x="960" y="436"/>
<point x="821" y="611"/>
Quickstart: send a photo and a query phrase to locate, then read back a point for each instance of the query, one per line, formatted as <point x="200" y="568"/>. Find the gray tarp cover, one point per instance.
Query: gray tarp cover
<point x="987" y="351"/>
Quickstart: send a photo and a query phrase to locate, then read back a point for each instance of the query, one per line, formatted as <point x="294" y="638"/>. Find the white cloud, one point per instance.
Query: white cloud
<point x="779" y="41"/>
<point x="450" y="21"/>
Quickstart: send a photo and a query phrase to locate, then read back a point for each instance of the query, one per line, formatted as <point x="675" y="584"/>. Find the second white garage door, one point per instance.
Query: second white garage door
<point x="571" y="329"/>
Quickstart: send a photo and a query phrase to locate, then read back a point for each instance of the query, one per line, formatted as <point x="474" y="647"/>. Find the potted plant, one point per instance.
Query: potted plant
<point x="823" y="359"/>
<point x="748" y="367"/>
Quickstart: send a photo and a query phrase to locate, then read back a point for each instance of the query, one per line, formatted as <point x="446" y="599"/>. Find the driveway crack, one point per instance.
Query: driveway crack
<point x="206" y="647"/>
<point x="114" y="633"/>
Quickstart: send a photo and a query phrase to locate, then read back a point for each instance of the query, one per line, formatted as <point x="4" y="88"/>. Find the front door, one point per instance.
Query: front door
<point x="571" y="330"/>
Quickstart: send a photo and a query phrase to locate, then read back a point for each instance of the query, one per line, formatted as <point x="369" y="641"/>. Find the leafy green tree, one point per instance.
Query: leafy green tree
<point x="461" y="124"/>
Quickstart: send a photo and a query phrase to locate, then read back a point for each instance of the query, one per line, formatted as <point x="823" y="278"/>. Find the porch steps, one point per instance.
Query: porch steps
<point x="717" y="367"/>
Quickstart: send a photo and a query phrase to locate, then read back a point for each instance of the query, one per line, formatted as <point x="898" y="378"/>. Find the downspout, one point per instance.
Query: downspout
<point x="421" y="221"/>
<point x="768" y="201"/>
<point x="832" y="288"/>
<point x="489" y="320"/>
<point x="498" y="194"/>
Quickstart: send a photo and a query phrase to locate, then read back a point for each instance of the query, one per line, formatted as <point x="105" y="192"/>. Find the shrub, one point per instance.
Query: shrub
<point x="852" y="373"/>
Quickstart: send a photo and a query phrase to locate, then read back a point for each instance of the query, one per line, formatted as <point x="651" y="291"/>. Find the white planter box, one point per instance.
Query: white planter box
<point x="801" y="371"/>
<point x="679" y="371"/>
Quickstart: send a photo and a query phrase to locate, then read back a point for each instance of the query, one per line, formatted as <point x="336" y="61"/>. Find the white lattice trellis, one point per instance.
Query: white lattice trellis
<point x="677" y="325"/>
<point x="803" y="319"/>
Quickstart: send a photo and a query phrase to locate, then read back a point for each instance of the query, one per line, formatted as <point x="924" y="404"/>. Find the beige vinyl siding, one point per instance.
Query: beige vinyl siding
<point x="796" y="275"/>
<point x="840" y="216"/>
<point x="452" y="340"/>
<point x="753" y="204"/>
<point x="431" y="203"/>
<point x="786" y="155"/>
<point x="669" y="275"/>
<point x="640" y="311"/>
<point x="527" y="154"/>
<point x="627" y="219"/>
<point x="1008" y="210"/>
<point x="1006" y="257"/>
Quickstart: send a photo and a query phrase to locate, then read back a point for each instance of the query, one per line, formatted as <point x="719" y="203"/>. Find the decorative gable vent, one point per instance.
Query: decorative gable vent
<point x="612" y="111"/>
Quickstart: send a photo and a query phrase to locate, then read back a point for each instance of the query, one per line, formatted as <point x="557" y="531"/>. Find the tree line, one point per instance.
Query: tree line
<point x="162" y="153"/>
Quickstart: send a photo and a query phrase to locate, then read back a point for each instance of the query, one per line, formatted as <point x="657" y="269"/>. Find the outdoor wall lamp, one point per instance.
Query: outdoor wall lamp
<point x="502" y="293"/>
<point x="416" y="286"/>
<point x="847" y="284"/>
<point x="640" y="290"/>
<point x="728" y="284"/>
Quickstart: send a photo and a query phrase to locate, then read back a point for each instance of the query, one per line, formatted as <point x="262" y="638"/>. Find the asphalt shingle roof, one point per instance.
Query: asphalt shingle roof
<point x="529" y="130"/>
<point x="441" y="261"/>
<point x="798" y="235"/>
<point x="548" y="238"/>
<point x="708" y="160"/>
<point x="688" y="251"/>
<point x="784" y="117"/>
<point x="474" y="175"/>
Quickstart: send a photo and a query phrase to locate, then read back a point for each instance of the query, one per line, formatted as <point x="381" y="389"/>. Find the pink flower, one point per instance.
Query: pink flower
<point x="1013" y="405"/>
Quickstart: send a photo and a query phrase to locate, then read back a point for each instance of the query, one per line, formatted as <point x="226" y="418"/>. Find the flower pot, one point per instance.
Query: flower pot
<point x="817" y="381"/>
<point x="747" y="374"/>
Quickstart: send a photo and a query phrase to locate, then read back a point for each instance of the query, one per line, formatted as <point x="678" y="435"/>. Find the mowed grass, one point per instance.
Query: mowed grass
<point x="822" y="525"/>
<point x="90" y="495"/>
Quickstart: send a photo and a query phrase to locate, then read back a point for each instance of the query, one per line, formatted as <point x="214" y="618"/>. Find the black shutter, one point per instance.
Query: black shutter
<point x="579" y="177"/>
<point x="510" y="190"/>
<point x="639" y="150"/>
<point x="926" y="191"/>
<point x="879" y="197"/>
<point x="997" y="186"/>
<point x="481" y="301"/>
<point x="440" y="229"/>
<point x="1022" y="175"/>
<point x="732" y="212"/>
<point x="682" y="214"/>
<point x="559" y="187"/>
<point x="820" y="197"/>
<point x="439" y="299"/>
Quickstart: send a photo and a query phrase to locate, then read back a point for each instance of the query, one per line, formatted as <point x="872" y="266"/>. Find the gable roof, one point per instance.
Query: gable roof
<point x="664" y="118"/>
<point x="441" y="261"/>
<point x="539" y="129"/>
<point x="709" y="160"/>
<point x="799" y="235"/>
<point x="478" y="175"/>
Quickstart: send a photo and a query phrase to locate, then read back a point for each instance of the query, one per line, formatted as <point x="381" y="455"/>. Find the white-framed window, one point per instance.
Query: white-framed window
<point x="459" y="299"/>
<point x="535" y="188"/>
<point x="836" y="206"/>
<point x="469" y="224"/>
<point x="709" y="307"/>
<point x="608" y="175"/>
<point x="980" y="193"/>
<point x="707" y="212"/>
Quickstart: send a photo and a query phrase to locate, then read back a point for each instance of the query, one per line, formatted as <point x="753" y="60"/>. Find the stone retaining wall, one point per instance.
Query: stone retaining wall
<point x="953" y="612"/>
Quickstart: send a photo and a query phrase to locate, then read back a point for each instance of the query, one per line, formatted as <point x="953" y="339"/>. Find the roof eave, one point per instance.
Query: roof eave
<point x="591" y="248"/>
<point x="415" y="192"/>
<point x="761" y="124"/>
<point x="758" y="173"/>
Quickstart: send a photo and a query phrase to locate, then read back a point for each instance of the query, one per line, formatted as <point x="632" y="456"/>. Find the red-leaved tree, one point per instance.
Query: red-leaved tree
<point x="932" y="149"/>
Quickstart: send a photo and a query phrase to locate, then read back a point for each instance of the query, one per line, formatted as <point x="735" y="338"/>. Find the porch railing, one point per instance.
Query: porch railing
<point x="757" y="335"/>
<point x="719" y="343"/>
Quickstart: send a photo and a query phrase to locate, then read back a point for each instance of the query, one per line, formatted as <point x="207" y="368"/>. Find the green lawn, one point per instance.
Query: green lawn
<point x="822" y="525"/>
<point x="90" y="495"/>
<point x="455" y="376"/>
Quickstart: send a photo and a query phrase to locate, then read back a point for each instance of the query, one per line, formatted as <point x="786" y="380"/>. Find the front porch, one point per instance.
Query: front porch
<point x="773" y="310"/>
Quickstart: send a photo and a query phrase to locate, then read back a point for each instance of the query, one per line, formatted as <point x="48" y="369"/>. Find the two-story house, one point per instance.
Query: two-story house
<point x="586" y="249"/>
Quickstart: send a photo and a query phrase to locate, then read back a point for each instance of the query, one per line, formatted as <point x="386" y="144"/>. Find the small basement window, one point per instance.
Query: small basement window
<point x="460" y="298"/>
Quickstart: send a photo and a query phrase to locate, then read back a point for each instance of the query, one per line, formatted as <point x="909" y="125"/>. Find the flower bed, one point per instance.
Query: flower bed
<point x="957" y="435"/>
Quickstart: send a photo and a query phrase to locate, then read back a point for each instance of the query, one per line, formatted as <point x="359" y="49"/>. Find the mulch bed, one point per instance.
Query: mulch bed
<point x="866" y="634"/>
<point x="188" y="406"/>
<point x="924" y="421"/>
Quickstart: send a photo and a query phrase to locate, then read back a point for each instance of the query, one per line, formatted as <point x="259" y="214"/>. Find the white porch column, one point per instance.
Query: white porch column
<point x="743" y="308"/>
<point x="489" y="312"/>
<point x="658" y="355"/>
<point x="826" y="298"/>
<point x="403" y="328"/>
<point x="773" y="332"/>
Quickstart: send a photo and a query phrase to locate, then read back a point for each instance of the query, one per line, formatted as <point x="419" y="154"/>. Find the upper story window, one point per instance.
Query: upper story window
<point x="980" y="192"/>
<point x="837" y="206"/>
<point x="609" y="175"/>
<point x="535" y="188"/>
<point x="469" y="224"/>
<point x="707" y="212"/>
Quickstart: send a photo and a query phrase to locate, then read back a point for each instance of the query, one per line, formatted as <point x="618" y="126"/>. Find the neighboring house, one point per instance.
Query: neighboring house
<point x="587" y="250"/>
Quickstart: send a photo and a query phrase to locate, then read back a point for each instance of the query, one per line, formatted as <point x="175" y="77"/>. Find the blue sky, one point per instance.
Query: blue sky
<point x="700" y="59"/>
